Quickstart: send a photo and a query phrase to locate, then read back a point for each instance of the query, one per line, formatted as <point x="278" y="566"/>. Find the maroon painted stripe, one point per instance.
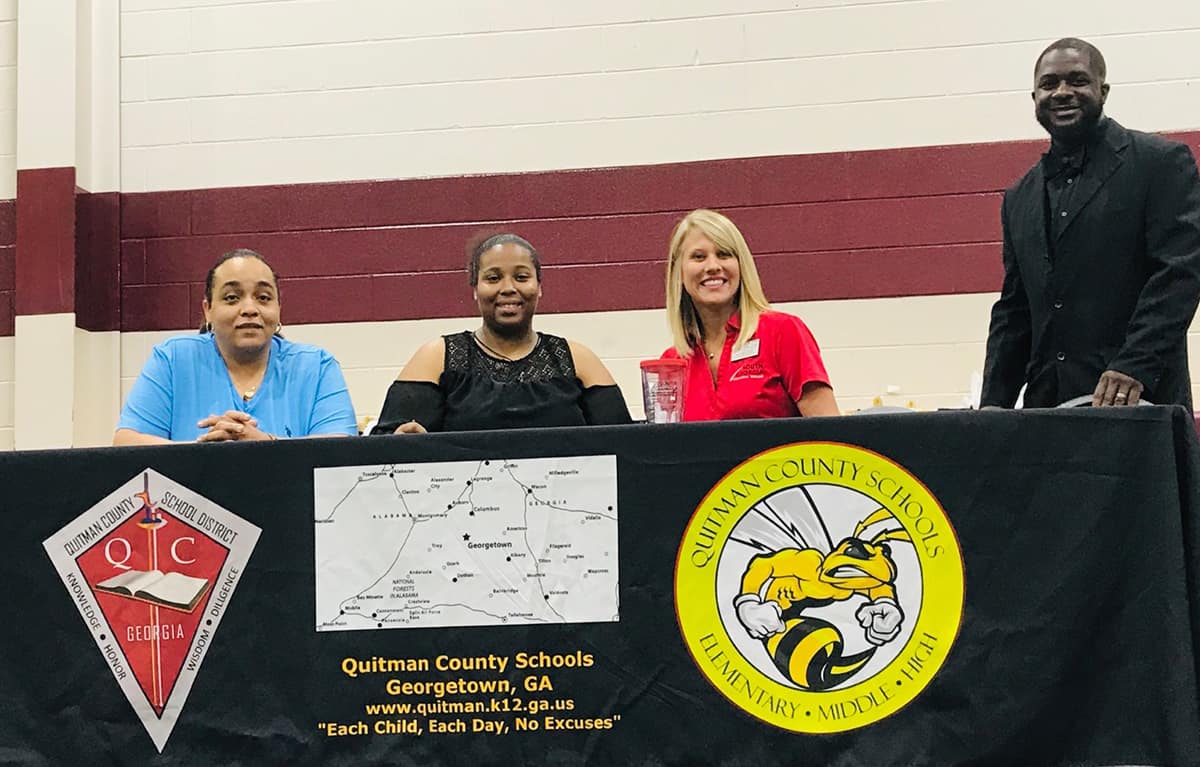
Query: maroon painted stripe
<point x="45" y="242"/>
<point x="916" y="221"/>
<point x="133" y="261"/>
<point x="8" y="319"/>
<point x="156" y="307"/>
<point x="971" y="268"/>
<point x="97" y="260"/>
<point x="8" y="264"/>
<point x="821" y="275"/>
<point x="8" y="268"/>
<point x="841" y="225"/>
<point x="8" y="223"/>
<point x="156" y="214"/>
<point x="734" y="183"/>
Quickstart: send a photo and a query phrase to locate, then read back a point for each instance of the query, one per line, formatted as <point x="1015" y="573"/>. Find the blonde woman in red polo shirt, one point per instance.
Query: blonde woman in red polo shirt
<point x="744" y="360"/>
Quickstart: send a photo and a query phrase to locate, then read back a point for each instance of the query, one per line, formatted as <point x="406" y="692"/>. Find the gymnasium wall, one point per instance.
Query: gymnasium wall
<point x="862" y="147"/>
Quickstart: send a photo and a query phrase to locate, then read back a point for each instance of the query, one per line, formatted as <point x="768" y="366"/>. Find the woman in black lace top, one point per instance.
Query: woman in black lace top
<point x="504" y="374"/>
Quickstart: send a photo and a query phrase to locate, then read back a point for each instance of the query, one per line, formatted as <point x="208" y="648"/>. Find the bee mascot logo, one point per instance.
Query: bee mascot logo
<point x="804" y="633"/>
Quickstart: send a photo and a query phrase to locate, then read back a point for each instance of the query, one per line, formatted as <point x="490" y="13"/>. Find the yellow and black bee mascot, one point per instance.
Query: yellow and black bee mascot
<point x="779" y="587"/>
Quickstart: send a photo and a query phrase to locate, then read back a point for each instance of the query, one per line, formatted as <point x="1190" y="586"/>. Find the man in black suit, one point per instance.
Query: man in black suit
<point x="1101" y="254"/>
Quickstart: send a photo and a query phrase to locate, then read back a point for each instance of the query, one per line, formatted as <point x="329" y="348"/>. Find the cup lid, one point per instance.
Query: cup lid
<point x="662" y="364"/>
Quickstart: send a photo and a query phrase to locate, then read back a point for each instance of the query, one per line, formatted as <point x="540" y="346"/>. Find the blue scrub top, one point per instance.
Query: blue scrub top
<point x="302" y="392"/>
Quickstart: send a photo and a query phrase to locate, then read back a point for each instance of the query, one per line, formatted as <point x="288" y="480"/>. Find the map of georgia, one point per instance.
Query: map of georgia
<point x="466" y="543"/>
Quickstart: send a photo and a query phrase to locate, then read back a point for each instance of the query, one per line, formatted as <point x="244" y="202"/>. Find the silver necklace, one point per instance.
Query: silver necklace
<point x="493" y="352"/>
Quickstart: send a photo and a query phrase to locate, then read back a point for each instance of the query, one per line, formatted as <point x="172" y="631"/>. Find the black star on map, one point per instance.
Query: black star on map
<point x="466" y="536"/>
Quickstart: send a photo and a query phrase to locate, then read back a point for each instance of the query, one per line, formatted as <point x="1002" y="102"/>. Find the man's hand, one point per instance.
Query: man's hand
<point x="233" y="425"/>
<point x="1116" y="389"/>
<point x="412" y="427"/>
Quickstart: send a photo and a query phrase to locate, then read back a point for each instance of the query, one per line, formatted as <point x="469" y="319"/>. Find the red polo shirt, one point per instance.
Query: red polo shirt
<point x="763" y="379"/>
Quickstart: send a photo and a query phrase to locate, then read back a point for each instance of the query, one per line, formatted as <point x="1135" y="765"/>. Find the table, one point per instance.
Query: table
<point x="1045" y="563"/>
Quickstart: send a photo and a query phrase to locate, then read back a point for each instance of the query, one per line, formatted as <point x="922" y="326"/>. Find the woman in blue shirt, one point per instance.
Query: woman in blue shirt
<point x="238" y="379"/>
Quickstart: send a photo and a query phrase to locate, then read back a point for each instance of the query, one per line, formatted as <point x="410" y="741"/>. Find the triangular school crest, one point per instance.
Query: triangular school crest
<point x="152" y="568"/>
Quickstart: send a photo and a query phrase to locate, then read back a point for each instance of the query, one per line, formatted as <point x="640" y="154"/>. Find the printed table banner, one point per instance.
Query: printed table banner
<point x="902" y="589"/>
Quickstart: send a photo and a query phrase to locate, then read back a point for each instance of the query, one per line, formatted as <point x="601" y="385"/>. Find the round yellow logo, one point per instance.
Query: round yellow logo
<point x="819" y="587"/>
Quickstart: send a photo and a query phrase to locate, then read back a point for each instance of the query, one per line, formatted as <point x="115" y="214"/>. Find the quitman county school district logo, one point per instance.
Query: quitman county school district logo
<point x="152" y="568"/>
<point x="819" y="587"/>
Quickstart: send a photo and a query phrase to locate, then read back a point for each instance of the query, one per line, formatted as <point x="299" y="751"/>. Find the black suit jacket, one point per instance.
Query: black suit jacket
<point x="1117" y="290"/>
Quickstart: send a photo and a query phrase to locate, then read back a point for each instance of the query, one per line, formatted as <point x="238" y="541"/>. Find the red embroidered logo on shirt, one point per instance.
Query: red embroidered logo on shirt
<point x="753" y="369"/>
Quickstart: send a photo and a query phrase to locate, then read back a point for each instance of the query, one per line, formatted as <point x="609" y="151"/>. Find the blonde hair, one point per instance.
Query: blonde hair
<point x="681" y="312"/>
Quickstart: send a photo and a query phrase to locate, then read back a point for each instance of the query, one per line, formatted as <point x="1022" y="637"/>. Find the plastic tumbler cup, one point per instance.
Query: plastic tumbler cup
<point x="664" y="384"/>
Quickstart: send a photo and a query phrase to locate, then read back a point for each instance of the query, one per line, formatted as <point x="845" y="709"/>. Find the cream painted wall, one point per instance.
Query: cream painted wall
<point x="8" y="190"/>
<point x="98" y="96"/>
<point x="8" y="99"/>
<point x="227" y="93"/>
<point x="7" y="378"/>
<point x="98" y="395"/>
<point x="47" y="37"/>
<point x="44" y="390"/>
<point x="224" y="93"/>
